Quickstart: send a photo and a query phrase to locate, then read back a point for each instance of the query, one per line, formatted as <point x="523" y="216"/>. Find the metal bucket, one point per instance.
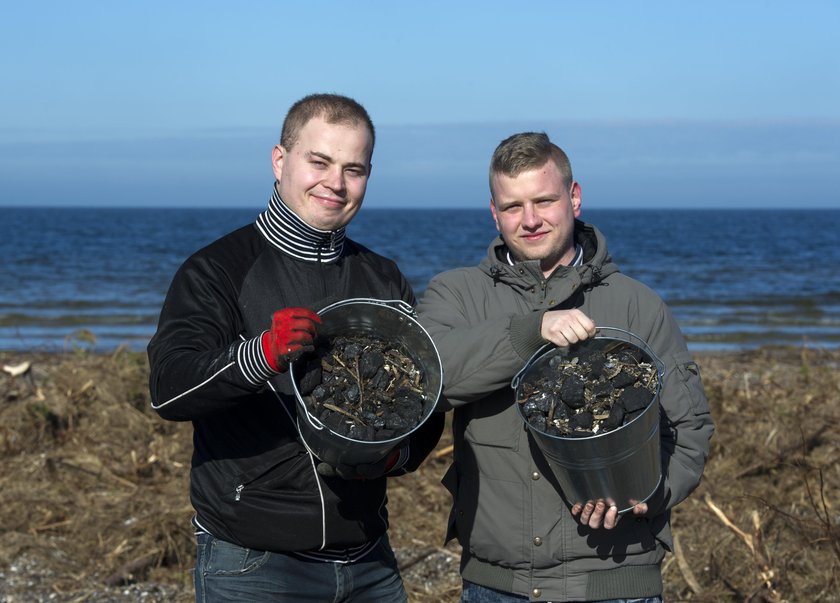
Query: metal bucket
<point x="393" y="321"/>
<point x="623" y="466"/>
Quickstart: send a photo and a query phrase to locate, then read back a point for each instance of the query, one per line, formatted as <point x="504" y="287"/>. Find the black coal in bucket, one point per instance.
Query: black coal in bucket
<point x="393" y="321"/>
<point x="621" y="465"/>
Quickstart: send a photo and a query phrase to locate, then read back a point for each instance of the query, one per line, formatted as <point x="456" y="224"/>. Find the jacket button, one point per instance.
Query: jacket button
<point x="537" y="541"/>
<point x="536" y="592"/>
<point x="535" y="476"/>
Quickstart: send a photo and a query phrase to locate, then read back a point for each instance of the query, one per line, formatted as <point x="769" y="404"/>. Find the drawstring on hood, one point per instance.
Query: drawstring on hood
<point x="496" y="274"/>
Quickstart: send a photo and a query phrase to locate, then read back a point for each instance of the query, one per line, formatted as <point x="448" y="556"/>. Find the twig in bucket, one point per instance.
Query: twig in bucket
<point x="357" y="375"/>
<point x="337" y="409"/>
<point x="354" y="372"/>
<point x="614" y="346"/>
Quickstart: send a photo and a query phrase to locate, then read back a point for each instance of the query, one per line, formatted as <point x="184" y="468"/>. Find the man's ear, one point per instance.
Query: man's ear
<point x="278" y="155"/>
<point x="577" y="198"/>
<point x="493" y="213"/>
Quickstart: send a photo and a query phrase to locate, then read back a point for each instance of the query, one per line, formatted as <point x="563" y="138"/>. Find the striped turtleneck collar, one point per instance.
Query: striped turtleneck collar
<point x="288" y="233"/>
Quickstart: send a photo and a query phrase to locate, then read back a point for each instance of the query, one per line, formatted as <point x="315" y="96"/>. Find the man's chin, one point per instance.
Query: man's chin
<point x="531" y="253"/>
<point x="333" y="222"/>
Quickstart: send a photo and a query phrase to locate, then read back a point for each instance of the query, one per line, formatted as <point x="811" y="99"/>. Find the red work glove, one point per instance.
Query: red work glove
<point x="292" y="334"/>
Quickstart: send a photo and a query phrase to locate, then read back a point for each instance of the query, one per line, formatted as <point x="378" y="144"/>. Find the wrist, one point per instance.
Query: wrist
<point x="526" y="333"/>
<point x="396" y="459"/>
<point x="252" y="361"/>
<point x="269" y="357"/>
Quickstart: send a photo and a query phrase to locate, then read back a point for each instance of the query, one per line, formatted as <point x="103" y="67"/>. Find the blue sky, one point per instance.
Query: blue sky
<point x="659" y="104"/>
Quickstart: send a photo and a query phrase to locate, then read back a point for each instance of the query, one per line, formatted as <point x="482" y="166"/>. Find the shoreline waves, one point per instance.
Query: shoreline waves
<point x="736" y="279"/>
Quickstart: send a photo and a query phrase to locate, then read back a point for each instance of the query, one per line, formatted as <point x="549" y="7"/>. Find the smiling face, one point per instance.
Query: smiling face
<point x="535" y="213"/>
<point x="323" y="177"/>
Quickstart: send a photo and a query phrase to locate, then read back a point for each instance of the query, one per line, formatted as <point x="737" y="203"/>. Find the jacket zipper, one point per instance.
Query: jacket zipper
<point x="239" y="490"/>
<point x="321" y="267"/>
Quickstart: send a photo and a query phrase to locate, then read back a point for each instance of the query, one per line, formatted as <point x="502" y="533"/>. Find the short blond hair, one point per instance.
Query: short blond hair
<point x="334" y="108"/>
<point x="527" y="151"/>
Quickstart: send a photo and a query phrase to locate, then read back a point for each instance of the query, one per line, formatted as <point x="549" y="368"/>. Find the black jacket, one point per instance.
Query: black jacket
<point x="252" y="481"/>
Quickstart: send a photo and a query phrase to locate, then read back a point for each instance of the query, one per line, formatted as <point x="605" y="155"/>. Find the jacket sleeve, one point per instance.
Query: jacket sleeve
<point x="199" y="362"/>
<point x="426" y="437"/>
<point x="686" y="425"/>
<point x="421" y="443"/>
<point x="480" y="354"/>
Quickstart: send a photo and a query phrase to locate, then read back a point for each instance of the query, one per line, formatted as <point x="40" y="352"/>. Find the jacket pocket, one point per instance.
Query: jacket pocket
<point x="281" y="473"/>
<point x="495" y="423"/>
<point x="631" y="537"/>
<point x="496" y="533"/>
<point x="278" y="509"/>
<point x="691" y="383"/>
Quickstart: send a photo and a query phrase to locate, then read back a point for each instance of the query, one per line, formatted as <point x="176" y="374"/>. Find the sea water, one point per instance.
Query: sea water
<point x="96" y="277"/>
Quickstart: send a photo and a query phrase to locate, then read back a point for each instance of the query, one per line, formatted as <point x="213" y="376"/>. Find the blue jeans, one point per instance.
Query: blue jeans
<point x="225" y="573"/>
<point x="475" y="593"/>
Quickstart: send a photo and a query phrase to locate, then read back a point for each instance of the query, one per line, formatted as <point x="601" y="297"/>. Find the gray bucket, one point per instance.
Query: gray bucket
<point x="394" y="321"/>
<point x="623" y="466"/>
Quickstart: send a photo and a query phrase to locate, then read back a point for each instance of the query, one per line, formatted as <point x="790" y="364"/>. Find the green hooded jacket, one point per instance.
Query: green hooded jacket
<point x="516" y="531"/>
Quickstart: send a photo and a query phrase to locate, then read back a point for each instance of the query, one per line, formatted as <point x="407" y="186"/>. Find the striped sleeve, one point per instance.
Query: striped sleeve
<point x="252" y="361"/>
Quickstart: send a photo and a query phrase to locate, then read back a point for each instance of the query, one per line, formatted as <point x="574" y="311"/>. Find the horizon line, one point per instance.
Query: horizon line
<point x="432" y="207"/>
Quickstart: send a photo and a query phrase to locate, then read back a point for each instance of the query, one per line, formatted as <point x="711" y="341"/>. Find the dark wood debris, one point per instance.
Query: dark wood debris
<point x="587" y="394"/>
<point x="363" y="387"/>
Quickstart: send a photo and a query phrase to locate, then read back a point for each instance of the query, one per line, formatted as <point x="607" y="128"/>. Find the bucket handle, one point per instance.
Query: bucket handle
<point x="660" y="367"/>
<point x="518" y="377"/>
<point x="399" y="304"/>
<point x="315" y="423"/>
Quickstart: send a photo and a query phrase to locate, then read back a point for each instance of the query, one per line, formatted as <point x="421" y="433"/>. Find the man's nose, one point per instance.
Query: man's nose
<point x="335" y="179"/>
<point x="530" y="216"/>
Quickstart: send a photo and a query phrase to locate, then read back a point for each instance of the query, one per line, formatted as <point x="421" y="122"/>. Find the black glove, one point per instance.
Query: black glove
<point x="363" y="471"/>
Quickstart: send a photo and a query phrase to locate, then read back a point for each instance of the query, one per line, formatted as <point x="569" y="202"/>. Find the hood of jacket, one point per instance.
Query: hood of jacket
<point x="597" y="263"/>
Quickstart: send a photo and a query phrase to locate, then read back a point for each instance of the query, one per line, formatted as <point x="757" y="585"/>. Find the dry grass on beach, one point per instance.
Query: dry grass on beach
<point x="94" y="506"/>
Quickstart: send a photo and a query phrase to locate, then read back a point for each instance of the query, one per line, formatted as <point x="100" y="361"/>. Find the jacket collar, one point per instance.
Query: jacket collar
<point x="576" y="261"/>
<point x="596" y="262"/>
<point x="284" y="230"/>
